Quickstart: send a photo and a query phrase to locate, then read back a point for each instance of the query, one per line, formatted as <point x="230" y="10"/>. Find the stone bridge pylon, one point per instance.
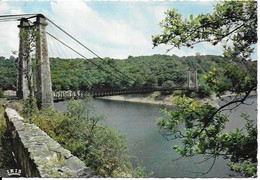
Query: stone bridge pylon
<point x="192" y="82"/>
<point x="43" y="86"/>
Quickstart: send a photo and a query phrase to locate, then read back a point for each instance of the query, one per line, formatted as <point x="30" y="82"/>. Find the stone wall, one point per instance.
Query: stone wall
<point x="38" y="154"/>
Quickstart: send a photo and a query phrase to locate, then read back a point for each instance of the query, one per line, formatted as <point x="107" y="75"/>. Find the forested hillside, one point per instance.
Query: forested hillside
<point x="142" y="71"/>
<point x="8" y="73"/>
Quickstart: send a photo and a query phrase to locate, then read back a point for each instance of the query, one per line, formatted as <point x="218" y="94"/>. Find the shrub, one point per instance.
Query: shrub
<point x="29" y="107"/>
<point x="192" y="95"/>
<point x="3" y="155"/>
<point x="1" y="93"/>
<point x="203" y="91"/>
<point x="168" y="83"/>
<point x="154" y="95"/>
<point x="2" y="122"/>
<point x="177" y="93"/>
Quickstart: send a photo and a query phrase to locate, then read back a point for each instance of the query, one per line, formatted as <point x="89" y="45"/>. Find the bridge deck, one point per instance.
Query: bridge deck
<point x="64" y="95"/>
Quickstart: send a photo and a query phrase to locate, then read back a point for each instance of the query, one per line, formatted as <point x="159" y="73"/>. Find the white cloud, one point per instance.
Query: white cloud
<point x="158" y="12"/>
<point x="113" y="36"/>
<point x="3" y="7"/>
<point x="8" y="31"/>
<point x="87" y="25"/>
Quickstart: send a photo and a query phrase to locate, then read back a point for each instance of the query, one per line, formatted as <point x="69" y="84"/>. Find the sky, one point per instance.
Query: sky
<point x="115" y="29"/>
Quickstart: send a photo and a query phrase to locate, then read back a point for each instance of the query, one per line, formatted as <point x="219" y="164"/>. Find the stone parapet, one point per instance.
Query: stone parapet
<point x="38" y="154"/>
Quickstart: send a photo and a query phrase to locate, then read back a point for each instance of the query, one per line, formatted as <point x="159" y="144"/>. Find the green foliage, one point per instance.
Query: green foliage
<point x="156" y="70"/>
<point x="155" y="95"/>
<point x="234" y="21"/>
<point x="30" y="36"/>
<point x="204" y="133"/>
<point x="168" y="83"/>
<point x="48" y="121"/>
<point x="177" y="92"/>
<point x="3" y="155"/>
<point x="204" y="91"/>
<point x="244" y="162"/>
<point x="201" y="128"/>
<point x="8" y="73"/>
<point x="231" y="78"/>
<point x="98" y="146"/>
<point x="29" y="107"/>
<point x="139" y="172"/>
<point x="2" y="122"/>
<point x="1" y="93"/>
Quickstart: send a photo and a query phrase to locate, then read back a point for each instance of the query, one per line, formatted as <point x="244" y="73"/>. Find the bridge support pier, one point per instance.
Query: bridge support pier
<point x="188" y="80"/>
<point x="44" y="93"/>
<point x="196" y="83"/>
<point x="24" y="61"/>
<point x="193" y="83"/>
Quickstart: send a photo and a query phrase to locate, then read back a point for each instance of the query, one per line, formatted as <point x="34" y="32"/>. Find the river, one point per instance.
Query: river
<point x="147" y="146"/>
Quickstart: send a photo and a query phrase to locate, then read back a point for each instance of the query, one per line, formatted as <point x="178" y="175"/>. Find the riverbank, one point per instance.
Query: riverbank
<point x="155" y="98"/>
<point x="151" y="98"/>
<point x="160" y="99"/>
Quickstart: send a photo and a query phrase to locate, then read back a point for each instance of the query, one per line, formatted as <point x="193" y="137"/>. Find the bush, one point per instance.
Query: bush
<point x="2" y="131"/>
<point x="1" y="93"/>
<point x="168" y="83"/>
<point x="154" y="95"/>
<point x="192" y="95"/>
<point x="2" y="122"/>
<point x="29" y="107"/>
<point x="177" y="93"/>
<point x="203" y="91"/>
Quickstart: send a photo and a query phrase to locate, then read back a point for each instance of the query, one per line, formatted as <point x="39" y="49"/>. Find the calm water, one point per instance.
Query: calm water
<point x="147" y="146"/>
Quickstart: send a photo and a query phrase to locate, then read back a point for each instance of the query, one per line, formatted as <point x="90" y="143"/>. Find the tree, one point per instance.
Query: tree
<point x="7" y="74"/>
<point x="233" y="23"/>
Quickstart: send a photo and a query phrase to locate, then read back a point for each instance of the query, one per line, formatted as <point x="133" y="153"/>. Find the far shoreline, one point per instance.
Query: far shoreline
<point x="153" y="98"/>
<point x="156" y="98"/>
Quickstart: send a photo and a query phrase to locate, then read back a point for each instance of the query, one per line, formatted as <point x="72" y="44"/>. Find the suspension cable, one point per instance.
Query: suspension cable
<point x="5" y="18"/>
<point x="17" y="17"/>
<point x="88" y="49"/>
<point x="82" y="56"/>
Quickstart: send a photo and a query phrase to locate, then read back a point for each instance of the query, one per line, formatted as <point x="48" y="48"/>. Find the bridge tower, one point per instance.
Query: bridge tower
<point x="188" y="79"/>
<point x="195" y="81"/>
<point x="43" y="92"/>
<point x="23" y="58"/>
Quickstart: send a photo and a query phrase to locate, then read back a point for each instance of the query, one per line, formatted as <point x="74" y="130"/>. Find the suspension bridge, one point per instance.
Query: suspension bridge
<point x="33" y="30"/>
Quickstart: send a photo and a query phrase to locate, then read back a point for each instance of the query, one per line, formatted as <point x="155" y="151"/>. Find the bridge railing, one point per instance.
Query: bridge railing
<point x="64" y="95"/>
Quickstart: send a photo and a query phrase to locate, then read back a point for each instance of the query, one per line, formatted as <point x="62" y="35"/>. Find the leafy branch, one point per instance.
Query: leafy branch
<point x="201" y="128"/>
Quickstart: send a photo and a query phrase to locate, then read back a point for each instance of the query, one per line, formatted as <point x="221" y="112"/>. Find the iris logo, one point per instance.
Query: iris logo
<point x="14" y="172"/>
